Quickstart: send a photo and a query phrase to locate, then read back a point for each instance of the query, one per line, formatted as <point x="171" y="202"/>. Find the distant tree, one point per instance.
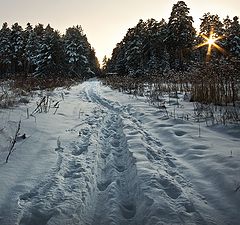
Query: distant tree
<point x="117" y="62"/>
<point x="158" y="57"/>
<point x="80" y="57"/>
<point x="5" y="49"/>
<point x="134" y="50"/>
<point x="17" y="48"/>
<point x="31" y="48"/>
<point x="105" y="62"/>
<point x="181" y="34"/>
<point x="94" y="63"/>
<point x="50" y="58"/>
<point x="226" y="25"/>
<point x="39" y="30"/>
<point x="232" y="42"/>
<point x="210" y="23"/>
<point x="74" y="51"/>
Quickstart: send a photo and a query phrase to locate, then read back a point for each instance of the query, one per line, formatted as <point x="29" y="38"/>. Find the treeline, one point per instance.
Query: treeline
<point x="153" y="47"/>
<point x="174" y="52"/>
<point x="44" y="52"/>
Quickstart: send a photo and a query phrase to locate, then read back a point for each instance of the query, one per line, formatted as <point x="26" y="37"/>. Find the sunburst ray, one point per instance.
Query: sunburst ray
<point x="211" y="42"/>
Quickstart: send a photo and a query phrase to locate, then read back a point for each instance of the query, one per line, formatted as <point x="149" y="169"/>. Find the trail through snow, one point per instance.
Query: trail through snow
<point x="106" y="158"/>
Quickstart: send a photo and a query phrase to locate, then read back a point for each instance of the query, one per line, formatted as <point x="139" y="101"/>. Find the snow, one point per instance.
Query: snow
<point x="109" y="158"/>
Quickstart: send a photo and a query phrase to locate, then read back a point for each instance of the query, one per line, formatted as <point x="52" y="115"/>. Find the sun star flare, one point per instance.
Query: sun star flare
<point x="211" y="42"/>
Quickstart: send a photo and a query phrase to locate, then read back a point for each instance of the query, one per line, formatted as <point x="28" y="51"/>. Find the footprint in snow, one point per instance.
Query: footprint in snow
<point x="28" y="196"/>
<point x="115" y="143"/>
<point x="170" y="163"/>
<point x="170" y="188"/>
<point x="180" y="133"/>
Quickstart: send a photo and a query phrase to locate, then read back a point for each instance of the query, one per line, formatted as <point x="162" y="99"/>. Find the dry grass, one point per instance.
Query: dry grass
<point x="31" y="83"/>
<point x="18" y="89"/>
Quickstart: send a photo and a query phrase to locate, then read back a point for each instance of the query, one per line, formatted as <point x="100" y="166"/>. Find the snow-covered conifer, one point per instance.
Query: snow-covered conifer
<point x="5" y="49"/>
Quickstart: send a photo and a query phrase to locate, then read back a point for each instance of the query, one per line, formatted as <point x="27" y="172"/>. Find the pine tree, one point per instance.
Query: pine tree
<point x="211" y="23"/>
<point x="117" y="62"/>
<point x="134" y="59"/>
<point x="80" y="56"/>
<point x="233" y="37"/>
<point x="181" y="35"/>
<point x="75" y="51"/>
<point x="94" y="64"/>
<point x="159" y="57"/>
<point x="31" y="47"/>
<point x="5" y="49"/>
<point x="105" y="62"/>
<point x="17" y="48"/>
<point x="226" y="25"/>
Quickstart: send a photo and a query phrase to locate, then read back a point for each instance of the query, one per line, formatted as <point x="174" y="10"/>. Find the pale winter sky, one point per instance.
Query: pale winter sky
<point x="105" y="22"/>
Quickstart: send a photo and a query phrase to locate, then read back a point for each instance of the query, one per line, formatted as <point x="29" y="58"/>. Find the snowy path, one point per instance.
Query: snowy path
<point x="118" y="162"/>
<point x="156" y="173"/>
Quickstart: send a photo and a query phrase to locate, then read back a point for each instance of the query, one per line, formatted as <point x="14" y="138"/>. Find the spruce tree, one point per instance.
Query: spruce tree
<point x="80" y="57"/>
<point x="75" y="52"/>
<point x="50" y="59"/>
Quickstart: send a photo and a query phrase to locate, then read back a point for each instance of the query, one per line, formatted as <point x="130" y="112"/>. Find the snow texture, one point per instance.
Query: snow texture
<point x="107" y="158"/>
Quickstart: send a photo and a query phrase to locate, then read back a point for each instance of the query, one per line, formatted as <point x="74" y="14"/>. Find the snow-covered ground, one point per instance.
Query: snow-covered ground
<point x="108" y="158"/>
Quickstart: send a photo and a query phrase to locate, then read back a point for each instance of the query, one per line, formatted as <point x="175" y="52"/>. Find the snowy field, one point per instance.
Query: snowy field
<point x="106" y="158"/>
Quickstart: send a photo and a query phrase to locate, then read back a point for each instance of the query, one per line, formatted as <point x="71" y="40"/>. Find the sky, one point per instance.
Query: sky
<point x="105" y="22"/>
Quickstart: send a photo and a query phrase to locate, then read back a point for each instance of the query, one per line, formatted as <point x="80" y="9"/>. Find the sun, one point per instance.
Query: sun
<point x="211" y="42"/>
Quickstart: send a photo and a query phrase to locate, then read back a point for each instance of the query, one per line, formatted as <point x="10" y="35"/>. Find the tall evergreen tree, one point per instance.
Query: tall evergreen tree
<point x="31" y="48"/>
<point x="50" y="59"/>
<point x="105" y="62"/>
<point x="233" y="37"/>
<point x="158" y="61"/>
<point x="94" y="64"/>
<point x="134" y="50"/>
<point x="211" y="23"/>
<point x="117" y="62"/>
<point x="75" y="51"/>
<point x="17" y="48"/>
<point x="181" y="34"/>
<point x="5" y="49"/>
<point x="80" y="57"/>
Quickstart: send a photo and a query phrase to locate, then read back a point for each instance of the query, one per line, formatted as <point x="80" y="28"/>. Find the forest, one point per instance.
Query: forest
<point x="44" y="52"/>
<point x="172" y="56"/>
